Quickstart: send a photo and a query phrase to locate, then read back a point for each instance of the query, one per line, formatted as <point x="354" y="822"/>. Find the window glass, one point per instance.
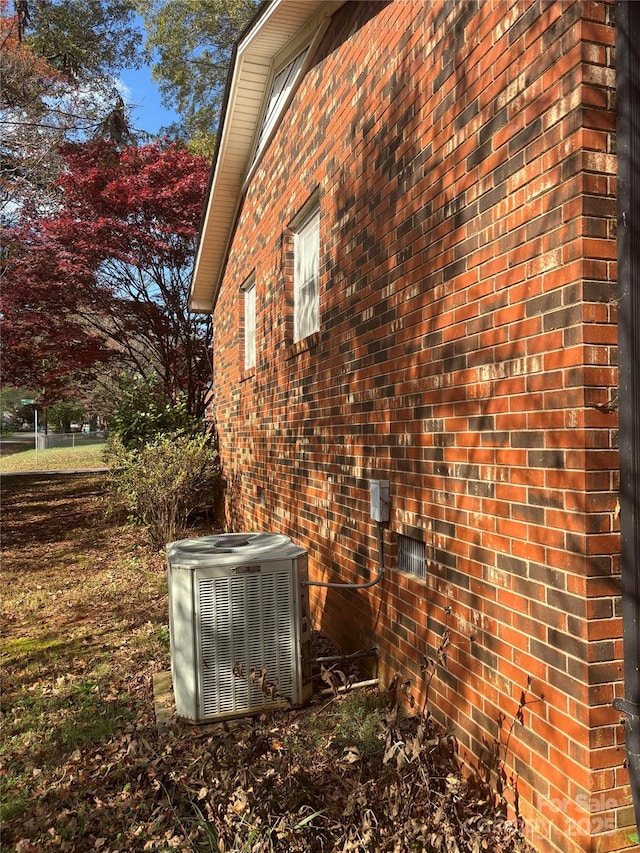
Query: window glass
<point x="250" y="325"/>
<point x="280" y="90"/>
<point x="306" y="318"/>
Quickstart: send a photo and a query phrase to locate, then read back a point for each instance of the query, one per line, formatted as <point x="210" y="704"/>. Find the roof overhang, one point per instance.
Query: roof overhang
<point x="275" y="26"/>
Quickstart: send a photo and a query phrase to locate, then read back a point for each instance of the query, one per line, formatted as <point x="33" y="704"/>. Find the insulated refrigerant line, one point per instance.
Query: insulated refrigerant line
<point x="373" y="582"/>
<point x="379" y="498"/>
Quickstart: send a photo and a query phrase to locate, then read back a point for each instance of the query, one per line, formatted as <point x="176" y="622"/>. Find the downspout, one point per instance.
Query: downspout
<point x="628" y="151"/>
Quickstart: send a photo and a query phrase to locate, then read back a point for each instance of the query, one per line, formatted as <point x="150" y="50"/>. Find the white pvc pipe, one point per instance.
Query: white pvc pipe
<point x="345" y="688"/>
<point x="332" y="658"/>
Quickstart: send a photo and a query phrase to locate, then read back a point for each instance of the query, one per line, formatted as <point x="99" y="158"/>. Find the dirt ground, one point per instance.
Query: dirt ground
<point x="84" y="767"/>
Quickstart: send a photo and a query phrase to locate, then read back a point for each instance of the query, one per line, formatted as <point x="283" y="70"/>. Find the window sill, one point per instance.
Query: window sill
<point x="248" y="374"/>
<point x="304" y="345"/>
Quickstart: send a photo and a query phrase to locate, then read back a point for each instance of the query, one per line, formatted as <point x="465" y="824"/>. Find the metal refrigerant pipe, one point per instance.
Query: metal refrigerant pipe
<point x="376" y="580"/>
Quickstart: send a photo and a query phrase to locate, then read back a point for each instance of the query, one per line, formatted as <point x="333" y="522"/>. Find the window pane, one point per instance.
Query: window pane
<point x="250" y="326"/>
<point x="307" y="310"/>
<point x="280" y="89"/>
<point x="306" y="291"/>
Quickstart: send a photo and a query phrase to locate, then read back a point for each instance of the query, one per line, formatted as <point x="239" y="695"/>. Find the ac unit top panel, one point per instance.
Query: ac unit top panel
<point x="231" y="549"/>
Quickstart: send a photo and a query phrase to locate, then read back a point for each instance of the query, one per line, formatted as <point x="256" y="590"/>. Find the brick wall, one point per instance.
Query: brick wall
<point x="464" y="156"/>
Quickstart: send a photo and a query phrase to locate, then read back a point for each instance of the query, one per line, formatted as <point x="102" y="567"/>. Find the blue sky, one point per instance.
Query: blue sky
<point x="141" y="93"/>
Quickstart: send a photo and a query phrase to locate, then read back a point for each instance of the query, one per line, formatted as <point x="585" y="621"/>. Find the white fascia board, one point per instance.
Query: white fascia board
<point x="282" y="21"/>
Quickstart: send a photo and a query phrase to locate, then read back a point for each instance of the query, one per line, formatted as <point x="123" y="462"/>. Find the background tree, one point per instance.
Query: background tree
<point x="61" y="415"/>
<point x="57" y="64"/>
<point x="46" y="345"/>
<point x="12" y="412"/>
<point x="190" y="46"/>
<point x="87" y="41"/>
<point x="100" y="283"/>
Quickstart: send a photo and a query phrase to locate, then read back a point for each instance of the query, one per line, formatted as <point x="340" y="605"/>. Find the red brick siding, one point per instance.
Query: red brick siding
<point x="465" y="160"/>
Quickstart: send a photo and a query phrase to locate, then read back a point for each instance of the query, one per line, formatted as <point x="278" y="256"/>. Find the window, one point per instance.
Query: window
<point x="281" y="88"/>
<point x="249" y="290"/>
<point x="306" y="294"/>
<point x="411" y="556"/>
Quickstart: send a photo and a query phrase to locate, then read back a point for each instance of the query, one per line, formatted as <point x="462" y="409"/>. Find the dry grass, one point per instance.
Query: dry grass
<point x="84" y="619"/>
<point x="55" y="459"/>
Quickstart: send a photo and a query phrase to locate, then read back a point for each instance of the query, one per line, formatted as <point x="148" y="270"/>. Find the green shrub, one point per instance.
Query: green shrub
<point x="359" y="724"/>
<point x="163" y="484"/>
<point x="145" y="410"/>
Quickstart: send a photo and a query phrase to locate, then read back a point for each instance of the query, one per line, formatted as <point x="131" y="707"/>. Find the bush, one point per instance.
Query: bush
<point x="145" y="410"/>
<point x="163" y="484"/>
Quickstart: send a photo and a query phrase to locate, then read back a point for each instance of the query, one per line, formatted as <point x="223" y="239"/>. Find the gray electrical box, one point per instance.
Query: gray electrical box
<point x="379" y="492"/>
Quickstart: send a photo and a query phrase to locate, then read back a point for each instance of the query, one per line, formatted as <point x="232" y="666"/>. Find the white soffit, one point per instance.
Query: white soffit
<point x="280" y="25"/>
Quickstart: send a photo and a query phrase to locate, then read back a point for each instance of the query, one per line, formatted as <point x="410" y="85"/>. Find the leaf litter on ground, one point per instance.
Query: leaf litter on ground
<point x="84" y="766"/>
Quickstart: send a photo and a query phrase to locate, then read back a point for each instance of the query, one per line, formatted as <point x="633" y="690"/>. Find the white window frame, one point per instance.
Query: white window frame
<point x="306" y="279"/>
<point x="287" y="69"/>
<point x="249" y="296"/>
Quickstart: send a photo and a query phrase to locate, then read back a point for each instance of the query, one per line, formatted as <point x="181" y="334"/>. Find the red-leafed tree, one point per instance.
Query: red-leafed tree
<point x="45" y="343"/>
<point x="101" y="283"/>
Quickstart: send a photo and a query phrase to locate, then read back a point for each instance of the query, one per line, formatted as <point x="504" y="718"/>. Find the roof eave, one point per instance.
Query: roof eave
<point x="267" y="34"/>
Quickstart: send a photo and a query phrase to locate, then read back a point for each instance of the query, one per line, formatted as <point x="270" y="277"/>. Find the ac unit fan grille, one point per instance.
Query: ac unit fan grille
<point x="245" y="621"/>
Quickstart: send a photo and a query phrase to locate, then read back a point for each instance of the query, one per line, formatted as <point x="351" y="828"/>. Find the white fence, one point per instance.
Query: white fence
<point x="69" y="439"/>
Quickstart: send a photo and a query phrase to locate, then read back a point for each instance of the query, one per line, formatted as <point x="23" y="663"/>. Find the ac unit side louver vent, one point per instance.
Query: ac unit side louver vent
<point x="246" y="622"/>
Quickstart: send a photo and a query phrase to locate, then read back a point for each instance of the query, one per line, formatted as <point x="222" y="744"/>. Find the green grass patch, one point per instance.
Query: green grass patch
<point x="14" y="796"/>
<point x="54" y="459"/>
<point x="12" y="648"/>
<point x="47" y="725"/>
<point x="359" y="723"/>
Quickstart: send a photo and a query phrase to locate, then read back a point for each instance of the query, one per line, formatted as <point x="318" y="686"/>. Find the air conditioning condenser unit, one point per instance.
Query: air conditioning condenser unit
<point x="239" y="625"/>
